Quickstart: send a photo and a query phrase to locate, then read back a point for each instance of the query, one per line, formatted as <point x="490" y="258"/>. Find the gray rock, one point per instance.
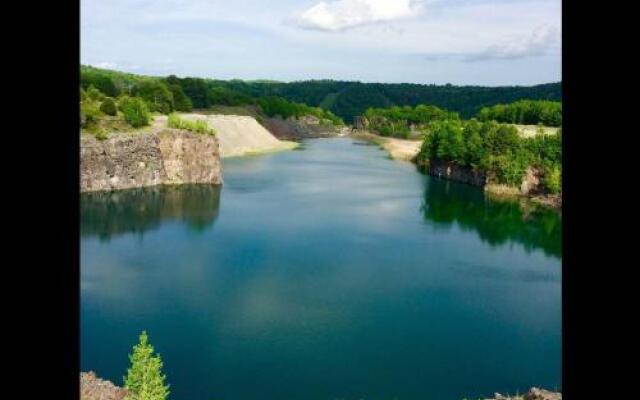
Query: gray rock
<point x="171" y="156"/>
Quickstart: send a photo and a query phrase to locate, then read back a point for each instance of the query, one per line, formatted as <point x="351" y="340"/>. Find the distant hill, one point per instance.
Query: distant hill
<point x="345" y="99"/>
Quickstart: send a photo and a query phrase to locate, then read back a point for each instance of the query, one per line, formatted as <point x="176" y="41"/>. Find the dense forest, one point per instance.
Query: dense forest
<point x="530" y="112"/>
<point x="103" y="93"/>
<point x="344" y="99"/>
<point x="496" y="149"/>
<point x="403" y="121"/>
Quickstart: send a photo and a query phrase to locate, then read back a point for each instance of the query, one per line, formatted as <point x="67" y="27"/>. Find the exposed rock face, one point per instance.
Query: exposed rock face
<point x="170" y="156"/>
<point x="93" y="388"/>
<point x="530" y="182"/>
<point x="532" y="394"/>
<point x="302" y="128"/>
<point x="360" y="122"/>
<point x="189" y="158"/>
<point x="455" y="172"/>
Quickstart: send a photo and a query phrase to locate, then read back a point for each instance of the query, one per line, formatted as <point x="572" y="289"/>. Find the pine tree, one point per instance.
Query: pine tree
<point x="145" y="380"/>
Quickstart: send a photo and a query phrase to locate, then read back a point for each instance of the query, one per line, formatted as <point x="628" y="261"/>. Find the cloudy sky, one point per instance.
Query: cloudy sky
<point x="483" y="42"/>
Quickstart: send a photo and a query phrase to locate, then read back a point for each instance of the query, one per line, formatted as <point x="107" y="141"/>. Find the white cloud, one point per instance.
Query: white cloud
<point x="538" y="43"/>
<point x="339" y="15"/>
<point x="106" y="65"/>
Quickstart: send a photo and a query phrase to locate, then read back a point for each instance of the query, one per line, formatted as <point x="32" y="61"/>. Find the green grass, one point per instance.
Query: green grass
<point x="199" y="126"/>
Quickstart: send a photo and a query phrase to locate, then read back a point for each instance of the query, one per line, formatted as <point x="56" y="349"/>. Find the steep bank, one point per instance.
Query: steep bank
<point x="529" y="188"/>
<point x="238" y="134"/>
<point x="168" y="156"/>
<point x="301" y="128"/>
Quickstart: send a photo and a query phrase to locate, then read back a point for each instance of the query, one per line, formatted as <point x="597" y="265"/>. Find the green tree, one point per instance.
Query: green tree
<point x="108" y="106"/>
<point x="180" y="99"/>
<point x="156" y="94"/>
<point x="94" y="94"/>
<point x="135" y="111"/>
<point x="145" y="380"/>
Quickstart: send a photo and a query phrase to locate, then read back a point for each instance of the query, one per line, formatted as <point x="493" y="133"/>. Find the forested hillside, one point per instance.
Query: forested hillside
<point x="344" y="99"/>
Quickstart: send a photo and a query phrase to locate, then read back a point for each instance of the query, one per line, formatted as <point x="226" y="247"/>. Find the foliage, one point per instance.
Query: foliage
<point x="89" y="113"/>
<point x="198" y="126"/>
<point x="108" y="106"/>
<point x="180" y="100"/>
<point x="273" y="106"/>
<point x="135" y="111"/>
<point x="157" y="95"/>
<point x="528" y="112"/>
<point x="98" y="79"/>
<point x="94" y="94"/>
<point x="343" y="99"/>
<point x="397" y="121"/>
<point x="496" y="149"/>
<point x="145" y="380"/>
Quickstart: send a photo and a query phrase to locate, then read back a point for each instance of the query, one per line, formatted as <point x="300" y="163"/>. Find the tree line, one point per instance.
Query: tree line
<point x="170" y="94"/>
<point x="403" y="121"/>
<point x="530" y="112"/>
<point x="344" y="99"/>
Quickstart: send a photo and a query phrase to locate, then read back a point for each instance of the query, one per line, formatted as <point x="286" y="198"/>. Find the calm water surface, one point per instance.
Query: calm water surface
<point x="329" y="272"/>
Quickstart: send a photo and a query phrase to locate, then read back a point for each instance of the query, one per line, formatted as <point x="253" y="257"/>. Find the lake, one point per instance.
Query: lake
<point x="327" y="272"/>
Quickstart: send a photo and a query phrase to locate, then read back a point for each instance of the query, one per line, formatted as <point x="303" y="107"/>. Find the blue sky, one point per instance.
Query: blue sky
<point x="479" y="42"/>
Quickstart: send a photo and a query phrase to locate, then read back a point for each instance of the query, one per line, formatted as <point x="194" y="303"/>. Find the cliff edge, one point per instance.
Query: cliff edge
<point x="169" y="156"/>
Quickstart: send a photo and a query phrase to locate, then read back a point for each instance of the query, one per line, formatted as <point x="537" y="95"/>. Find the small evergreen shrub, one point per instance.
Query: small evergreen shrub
<point x="108" y="107"/>
<point x="145" y="380"/>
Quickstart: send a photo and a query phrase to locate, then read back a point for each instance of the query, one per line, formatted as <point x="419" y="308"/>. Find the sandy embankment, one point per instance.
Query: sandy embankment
<point x="238" y="135"/>
<point x="398" y="149"/>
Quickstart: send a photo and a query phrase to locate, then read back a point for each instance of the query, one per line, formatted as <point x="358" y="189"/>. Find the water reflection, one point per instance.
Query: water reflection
<point x="496" y="222"/>
<point x="108" y="214"/>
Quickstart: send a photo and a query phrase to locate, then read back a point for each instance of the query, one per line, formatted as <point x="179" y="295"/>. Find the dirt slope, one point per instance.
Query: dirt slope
<point x="238" y="134"/>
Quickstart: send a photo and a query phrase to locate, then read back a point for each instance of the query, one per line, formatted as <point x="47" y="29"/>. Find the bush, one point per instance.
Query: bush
<point x="135" y="111"/>
<point x="552" y="180"/>
<point x="108" y="107"/>
<point x="89" y="113"/>
<point x="94" y="94"/>
<point x="199" y="126"/>
<point x="101" y="134"/>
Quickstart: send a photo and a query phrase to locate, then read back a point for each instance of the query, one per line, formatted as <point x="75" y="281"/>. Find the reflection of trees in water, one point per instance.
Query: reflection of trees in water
<point x="105" y="214"/>
<point x="496" y="222"/>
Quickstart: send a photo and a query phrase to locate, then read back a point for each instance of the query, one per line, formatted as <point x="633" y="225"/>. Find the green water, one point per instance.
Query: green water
<point x="328" y="272"/>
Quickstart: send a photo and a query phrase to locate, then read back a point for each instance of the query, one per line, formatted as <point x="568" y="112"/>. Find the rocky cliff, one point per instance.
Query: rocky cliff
<point x="94" y="388"/>
<point x="455" y="172"/>
<point x="170" y="156"/>
<point x="300" y="128"/>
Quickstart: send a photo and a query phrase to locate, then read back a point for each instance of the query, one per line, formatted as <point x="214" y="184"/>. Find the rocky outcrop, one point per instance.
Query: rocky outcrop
<point x="449" y="170"/>
<point x="302" y="128"/>
<point x="532" y="394"/>
<point x="93" y="388"/>
<point x="170" y="156"/>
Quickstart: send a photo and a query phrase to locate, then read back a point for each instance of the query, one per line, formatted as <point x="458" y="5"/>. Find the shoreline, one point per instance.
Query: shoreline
<point x="407" y="150"/>
<point x="398" y="149"/>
